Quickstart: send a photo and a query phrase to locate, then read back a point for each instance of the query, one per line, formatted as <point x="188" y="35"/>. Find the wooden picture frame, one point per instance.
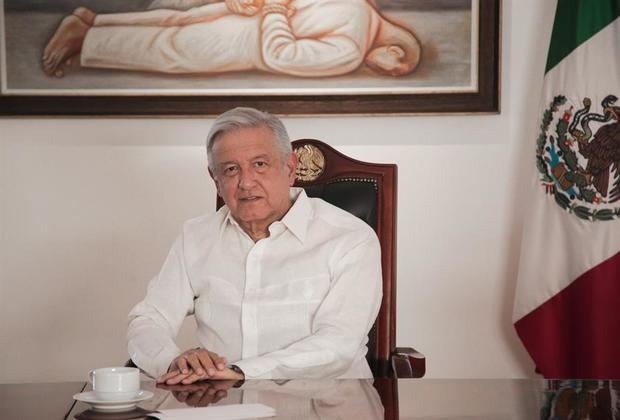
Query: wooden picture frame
<point x="482" y="98"/>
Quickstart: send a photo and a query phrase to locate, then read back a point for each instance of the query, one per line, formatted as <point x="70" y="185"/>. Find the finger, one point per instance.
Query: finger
<point x="163" y="378"/>
<point x="220" y="361"/>
<point x="178" y="379"/>
<point x="226" y="374"/>
<point x="193" y="378"/>
<point x="182" y="364"/>
<point x="206" y="362"/>
<point x="195" y="364"/>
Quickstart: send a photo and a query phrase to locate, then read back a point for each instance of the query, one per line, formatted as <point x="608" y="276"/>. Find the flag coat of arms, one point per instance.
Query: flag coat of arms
<point x="567" y="303"/>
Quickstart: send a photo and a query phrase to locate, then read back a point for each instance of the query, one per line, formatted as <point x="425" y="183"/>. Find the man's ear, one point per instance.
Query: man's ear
<point x="215" y="181"/>
<point x="291" y="166"/>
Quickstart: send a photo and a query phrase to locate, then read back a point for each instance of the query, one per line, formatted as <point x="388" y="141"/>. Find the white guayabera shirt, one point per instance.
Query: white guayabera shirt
<point x="298" y="304"/>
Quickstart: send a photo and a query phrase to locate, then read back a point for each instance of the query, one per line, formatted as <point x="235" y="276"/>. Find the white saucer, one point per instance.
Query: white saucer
<point x="125" y="404"/>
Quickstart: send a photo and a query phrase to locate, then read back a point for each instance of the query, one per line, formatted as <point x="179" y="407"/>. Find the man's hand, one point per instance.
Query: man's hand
<point x="228" y="375"/>
<point x="244" y="7"/>
<point x="199" y="395"/>
<point x="193" y="365"/>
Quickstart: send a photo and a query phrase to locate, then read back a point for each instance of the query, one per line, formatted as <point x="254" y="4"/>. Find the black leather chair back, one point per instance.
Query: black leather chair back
<point x="358" y="196"/>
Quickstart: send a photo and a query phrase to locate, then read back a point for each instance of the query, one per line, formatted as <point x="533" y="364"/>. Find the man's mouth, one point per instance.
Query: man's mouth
<point x="249" y="198"/>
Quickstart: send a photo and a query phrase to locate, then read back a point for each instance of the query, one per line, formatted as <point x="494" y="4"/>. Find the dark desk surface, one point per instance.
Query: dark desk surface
<point x="347" y="399"/>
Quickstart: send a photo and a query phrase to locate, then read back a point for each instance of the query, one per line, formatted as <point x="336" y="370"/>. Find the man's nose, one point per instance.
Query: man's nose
<point x="247" y="179"/>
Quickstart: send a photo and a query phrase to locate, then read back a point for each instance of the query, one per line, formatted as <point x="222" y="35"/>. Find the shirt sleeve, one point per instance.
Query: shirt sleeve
<point x="340" y="326"/>
<point x="331" y="54"/>
<point x="164" y="17"/>
<point x="155" y="322"/>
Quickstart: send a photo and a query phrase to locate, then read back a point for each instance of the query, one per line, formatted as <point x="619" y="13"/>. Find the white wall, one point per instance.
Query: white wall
<point x="89" y="208"/>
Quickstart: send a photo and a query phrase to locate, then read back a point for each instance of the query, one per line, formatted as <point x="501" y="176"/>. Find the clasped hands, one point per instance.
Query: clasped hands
<point x="198" y="365"/>
<point x="251" y="7"/>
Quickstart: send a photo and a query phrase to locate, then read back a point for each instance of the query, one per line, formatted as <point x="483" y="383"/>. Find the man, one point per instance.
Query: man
<point x="281" y="285"/>
<point x="305" y="38"/>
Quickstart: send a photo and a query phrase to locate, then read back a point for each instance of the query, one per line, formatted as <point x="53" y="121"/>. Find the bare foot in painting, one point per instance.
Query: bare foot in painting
<point x="87" y="15"/>
<point x="66" y="42"/>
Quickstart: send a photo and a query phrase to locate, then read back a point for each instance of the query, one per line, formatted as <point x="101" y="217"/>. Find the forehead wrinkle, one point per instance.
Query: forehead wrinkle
<point x="251" y="159"/>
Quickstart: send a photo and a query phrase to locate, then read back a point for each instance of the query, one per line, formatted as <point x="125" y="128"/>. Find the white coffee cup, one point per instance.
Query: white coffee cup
<point x="115" y="383"/>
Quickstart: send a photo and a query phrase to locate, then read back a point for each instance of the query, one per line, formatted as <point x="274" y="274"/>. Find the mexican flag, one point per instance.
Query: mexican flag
<point x="567" y="304"/>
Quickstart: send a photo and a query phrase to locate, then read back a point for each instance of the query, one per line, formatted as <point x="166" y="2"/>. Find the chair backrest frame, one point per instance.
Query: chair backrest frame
<point x="337" y="167"/>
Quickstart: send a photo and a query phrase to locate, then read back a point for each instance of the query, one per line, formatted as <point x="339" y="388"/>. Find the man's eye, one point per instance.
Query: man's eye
<point x="230" y="170"/>
<point x="260" y="164"/>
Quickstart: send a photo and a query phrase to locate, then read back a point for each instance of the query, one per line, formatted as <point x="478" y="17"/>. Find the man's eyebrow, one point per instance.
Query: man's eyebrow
<point x="228" y="162"/>
<point x="263" y="156"/>
<point x="234" y="162"/>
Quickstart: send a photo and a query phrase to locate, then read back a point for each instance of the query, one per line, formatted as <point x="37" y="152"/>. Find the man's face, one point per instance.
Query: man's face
<point x="251" y="176"/>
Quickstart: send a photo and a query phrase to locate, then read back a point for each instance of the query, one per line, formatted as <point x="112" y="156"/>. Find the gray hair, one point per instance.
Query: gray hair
<point x="243" y="117"/>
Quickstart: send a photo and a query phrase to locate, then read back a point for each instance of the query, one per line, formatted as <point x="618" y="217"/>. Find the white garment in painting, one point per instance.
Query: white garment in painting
<point x="322" y="38"/>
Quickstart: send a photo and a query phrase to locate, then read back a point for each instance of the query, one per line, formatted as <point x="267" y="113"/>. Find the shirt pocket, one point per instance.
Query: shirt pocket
<point x="218" y="303"/>
<point x="289" y="307"/>
<point x="298" y="290"/>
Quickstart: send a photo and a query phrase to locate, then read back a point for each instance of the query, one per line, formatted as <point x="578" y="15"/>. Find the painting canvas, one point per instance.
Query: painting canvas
<point x="145" y="57"/>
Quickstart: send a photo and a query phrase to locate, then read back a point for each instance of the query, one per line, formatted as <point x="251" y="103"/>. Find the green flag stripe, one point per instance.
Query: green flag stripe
<point x="575" y="22"/>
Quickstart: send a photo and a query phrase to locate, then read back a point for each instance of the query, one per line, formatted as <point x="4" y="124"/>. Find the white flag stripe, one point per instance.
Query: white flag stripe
<point x="589" y="70"/>
<point x="550" y="234"/>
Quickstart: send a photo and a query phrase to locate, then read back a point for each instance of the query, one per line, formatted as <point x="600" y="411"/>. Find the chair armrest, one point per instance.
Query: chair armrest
<point x="407" y="363"/>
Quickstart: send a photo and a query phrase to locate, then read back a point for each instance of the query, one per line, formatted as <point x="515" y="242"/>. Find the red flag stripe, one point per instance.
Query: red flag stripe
<point x="576" y="333"/>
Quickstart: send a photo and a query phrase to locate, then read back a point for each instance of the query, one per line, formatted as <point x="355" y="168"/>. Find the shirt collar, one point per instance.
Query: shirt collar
<point x="298" y="216"/>
<point x="296" y="220"/>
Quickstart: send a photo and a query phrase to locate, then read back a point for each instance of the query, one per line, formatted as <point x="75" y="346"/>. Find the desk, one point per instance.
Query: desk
<point x="349" y="399"/>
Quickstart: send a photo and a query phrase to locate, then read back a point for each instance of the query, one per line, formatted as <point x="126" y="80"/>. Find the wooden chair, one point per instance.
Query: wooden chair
<point x="368" y="191"/>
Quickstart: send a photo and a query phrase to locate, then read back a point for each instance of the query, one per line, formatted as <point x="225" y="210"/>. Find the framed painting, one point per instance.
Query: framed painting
<point x="289" y="57"/>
